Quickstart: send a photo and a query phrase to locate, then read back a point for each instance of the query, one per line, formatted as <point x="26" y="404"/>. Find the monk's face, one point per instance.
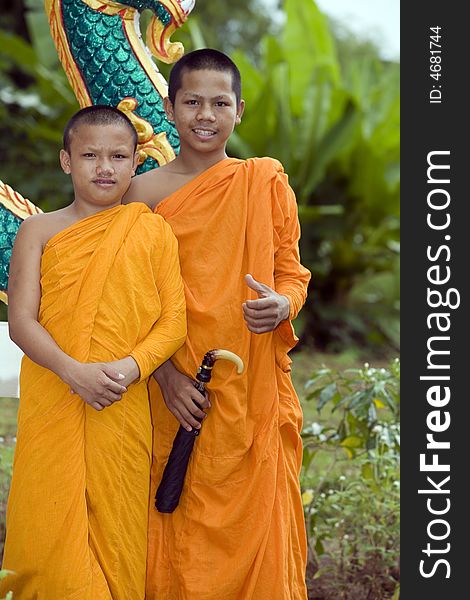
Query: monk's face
<point x="101" y="161"/>
<point x="205" y="111"/>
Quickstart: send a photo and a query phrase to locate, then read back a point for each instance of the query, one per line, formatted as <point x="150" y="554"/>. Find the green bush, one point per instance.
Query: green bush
<point x="6" y="460"/>
<point x="8" y="420"/>
<point x="335" y="127"/>
<point x="4" y="573"/>
<point x="350" y="481"/>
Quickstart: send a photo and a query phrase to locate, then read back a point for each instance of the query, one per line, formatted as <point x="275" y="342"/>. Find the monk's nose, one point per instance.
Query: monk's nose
<point x="104" y="167"/>
<point x="206" y="114"/>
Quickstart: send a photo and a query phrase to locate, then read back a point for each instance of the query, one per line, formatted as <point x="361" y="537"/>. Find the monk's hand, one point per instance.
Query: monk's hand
<point x="267" y="311"/>
<point x="96" y="383"/>
<point x="180" y="396"/>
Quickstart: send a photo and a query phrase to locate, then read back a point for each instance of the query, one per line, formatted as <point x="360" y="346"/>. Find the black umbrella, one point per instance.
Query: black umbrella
<point x="171" y="485"/>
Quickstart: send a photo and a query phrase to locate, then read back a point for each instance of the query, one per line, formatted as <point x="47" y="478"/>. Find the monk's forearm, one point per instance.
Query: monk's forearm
<point x="41" y="348"/>
<point x="129" y="369"/>
<point x="164" y="372"/>
<point x="96" y="383"/>
<point x="291" y="278"/>
<point x="168" y="333"/>
<point x="161" y="343"/>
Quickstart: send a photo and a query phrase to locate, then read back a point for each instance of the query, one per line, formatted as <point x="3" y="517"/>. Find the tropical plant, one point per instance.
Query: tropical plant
<point x="238" y="24"/>
<point x="335" y="129"/>
<point x="350" y="481"/>
<point x="36" y="102"/>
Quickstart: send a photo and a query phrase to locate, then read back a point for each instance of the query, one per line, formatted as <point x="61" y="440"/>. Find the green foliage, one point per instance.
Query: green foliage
<point x="335" y="127"/>
<point x="238" y="24"/>
<point x="36" y="102"/>
<point x="4" y="573"/>
<point x="6" y="462"/>
<point x="350" y="479"/>
<point x="8" y="421"/>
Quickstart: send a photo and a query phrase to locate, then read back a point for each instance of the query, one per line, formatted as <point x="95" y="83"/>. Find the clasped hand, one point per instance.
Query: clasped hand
<point x="102" y="384"/>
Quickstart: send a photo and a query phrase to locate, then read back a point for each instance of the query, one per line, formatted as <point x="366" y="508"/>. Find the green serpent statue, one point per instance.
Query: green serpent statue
<point x="101" y="50"/>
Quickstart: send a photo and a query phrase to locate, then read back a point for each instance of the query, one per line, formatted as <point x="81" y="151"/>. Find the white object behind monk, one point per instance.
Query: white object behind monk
<point x="10" y="361"/>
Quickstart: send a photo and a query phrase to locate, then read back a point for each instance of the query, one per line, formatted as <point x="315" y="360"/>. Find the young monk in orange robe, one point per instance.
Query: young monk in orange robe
<point x="238" y="532"/>
<point x="96" y="302"/>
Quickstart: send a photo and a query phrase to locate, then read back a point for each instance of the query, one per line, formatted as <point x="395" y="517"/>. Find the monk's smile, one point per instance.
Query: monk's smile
<point x="204" y="133"/>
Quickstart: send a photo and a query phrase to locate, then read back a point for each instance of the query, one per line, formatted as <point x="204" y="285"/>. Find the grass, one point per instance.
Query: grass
<point x="8" y="415"/>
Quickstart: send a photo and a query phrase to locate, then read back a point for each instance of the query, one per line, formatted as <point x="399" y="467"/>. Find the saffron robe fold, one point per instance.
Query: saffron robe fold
<point x="78" y="504"/>
<point x="238" y="532"/>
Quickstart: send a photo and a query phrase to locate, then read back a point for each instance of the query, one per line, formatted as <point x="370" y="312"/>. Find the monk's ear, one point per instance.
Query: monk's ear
<point x="64" y="158"/>
<point x="240" y="109"/>
<point x="168" y="106"/>
<point x="135" y="162"/>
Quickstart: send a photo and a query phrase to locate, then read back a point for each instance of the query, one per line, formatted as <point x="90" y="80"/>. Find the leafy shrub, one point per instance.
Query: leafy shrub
<point x="335" y="127"/>
<point x="4" y="573"/>
<point x="350" y="482"/>
<point x="6" y="460"/>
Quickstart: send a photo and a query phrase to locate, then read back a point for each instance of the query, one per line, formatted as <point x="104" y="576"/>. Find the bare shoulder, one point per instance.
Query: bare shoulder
<point x="33" y="229"/>
<point x="39" y="229"/>
<point x="149" y="188"/>
<point x="26" y="256"/>
<point x="156" y="185"/>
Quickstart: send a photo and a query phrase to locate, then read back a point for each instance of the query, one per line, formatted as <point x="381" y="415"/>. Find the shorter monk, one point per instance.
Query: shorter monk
<point x="96" y="303"/>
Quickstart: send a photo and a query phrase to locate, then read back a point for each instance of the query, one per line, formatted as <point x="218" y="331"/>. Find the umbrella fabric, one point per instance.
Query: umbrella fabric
<point x="171" y="485"/>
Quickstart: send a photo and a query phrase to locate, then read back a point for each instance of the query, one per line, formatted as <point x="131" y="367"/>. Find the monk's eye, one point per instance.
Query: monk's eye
<point x="119" y="156"/>
<point x="222" y="103"/>
<point x="192" y="102"/>
<point x="89" y="155"/>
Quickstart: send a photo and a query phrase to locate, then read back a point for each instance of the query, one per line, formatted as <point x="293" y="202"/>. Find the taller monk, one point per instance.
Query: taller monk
<point x="238" y="532"/>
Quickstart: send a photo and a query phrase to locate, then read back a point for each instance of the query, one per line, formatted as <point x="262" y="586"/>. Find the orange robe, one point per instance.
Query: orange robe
<point x="78" y="504"/>
<point x="238" y="532"/>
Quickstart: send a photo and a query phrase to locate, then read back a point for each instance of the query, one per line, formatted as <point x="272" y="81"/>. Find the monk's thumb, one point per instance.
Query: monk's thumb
<point x="258" y="287"/>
